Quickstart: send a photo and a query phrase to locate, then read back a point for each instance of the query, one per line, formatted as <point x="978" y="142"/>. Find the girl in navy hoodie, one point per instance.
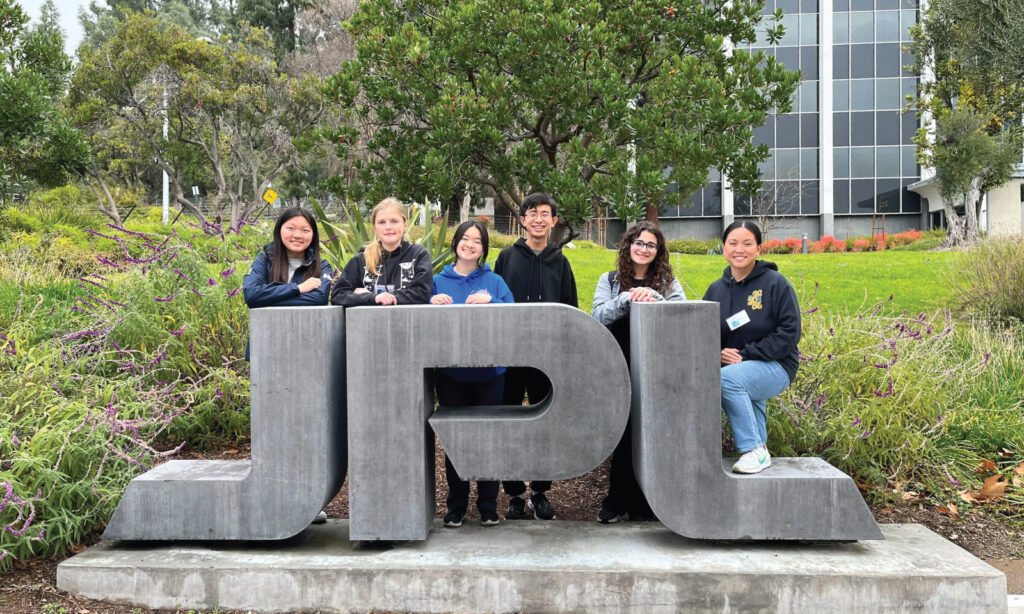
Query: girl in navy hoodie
<point x="469" y="281"/>
<point x="760" y="320"/>
<point x="288" y="272"/>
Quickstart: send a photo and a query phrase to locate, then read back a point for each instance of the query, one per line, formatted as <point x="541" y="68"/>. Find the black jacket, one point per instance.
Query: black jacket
<point x="774" y="328"/>
<point x="406" y="272"/>
<point x="546" y="278"/>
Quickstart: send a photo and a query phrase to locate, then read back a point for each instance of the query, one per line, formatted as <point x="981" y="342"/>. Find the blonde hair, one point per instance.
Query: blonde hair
<point x="373" y="251"/>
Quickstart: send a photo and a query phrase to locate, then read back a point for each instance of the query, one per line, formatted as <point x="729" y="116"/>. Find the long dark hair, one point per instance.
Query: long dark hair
<point x="279" y="254"/>
<point x="659" y="273"/>
<point x="461" y="230"/>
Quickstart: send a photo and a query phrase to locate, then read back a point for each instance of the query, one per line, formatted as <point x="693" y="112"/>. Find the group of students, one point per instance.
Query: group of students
<point x="760" y="323"/>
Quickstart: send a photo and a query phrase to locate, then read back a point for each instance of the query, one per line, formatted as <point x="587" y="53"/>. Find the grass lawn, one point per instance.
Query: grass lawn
<point x="918" y="281"/>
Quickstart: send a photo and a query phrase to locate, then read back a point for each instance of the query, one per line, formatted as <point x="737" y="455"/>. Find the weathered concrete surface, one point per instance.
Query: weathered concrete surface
<point x="677" y="445"/>
<point x="391" y="451"/>
<point x="545" y="567"/>
<point x="298" y="444"/>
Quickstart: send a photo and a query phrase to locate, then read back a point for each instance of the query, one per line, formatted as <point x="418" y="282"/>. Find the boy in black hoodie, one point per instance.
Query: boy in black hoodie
<point x="536" y="272"/>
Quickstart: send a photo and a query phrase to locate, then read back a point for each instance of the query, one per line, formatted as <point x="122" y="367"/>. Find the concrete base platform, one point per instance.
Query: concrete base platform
<point x="530" y="566"/>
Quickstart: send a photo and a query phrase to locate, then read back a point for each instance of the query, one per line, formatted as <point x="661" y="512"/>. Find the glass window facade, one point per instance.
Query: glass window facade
<point x="872" y="157"/>
<point x="791" y="176"/>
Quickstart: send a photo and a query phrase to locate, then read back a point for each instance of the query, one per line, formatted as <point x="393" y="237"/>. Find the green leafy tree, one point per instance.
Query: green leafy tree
<point x="36" y="146"/>
<point x="603" y="103"/>
<point x="277" y="17"/>
<point x="971" y="58"/>
<point x="233" y="116"/>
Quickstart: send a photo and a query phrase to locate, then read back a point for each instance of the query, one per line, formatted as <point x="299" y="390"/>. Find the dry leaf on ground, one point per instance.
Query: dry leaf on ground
<point x="948" y="510"/>
<point x="991" y="490"/>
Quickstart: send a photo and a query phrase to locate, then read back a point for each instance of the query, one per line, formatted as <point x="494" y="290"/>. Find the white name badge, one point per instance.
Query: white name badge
<point x="738" y="319"/>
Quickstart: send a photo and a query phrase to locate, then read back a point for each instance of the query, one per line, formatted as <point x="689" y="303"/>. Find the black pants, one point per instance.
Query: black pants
<point x="624" y="494"/>
<point x="453" y="393"/>
<point x="533" y="383"/>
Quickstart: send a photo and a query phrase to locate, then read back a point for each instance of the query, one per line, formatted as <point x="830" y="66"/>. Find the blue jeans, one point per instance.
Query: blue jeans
<point x="746" y="388"/>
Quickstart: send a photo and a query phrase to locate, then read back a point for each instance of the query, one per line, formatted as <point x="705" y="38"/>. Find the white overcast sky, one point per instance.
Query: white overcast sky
<point x="68" y="10"/>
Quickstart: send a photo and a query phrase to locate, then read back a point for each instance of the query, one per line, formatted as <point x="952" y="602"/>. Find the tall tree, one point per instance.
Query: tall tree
<point x="604" y="103"/>
<point x="970" y="56"/>
<point x="36" y="146"/>
<point x="233" y="117"/>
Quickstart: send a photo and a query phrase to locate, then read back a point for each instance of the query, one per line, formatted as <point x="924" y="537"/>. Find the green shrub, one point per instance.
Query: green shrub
<point x="988" y="280"/>
<point x="894" y="399"/>
<point x="929" y="240"/>
<point x="697" y="247"/>
<point x="499" y="241"/>
<point x="148" y="350"/>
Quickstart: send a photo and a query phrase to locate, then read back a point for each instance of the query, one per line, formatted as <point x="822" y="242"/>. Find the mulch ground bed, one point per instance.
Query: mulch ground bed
<point x="30" y="588"/>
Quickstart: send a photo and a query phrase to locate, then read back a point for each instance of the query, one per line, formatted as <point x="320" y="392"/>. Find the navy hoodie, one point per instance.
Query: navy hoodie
<point x="774" y="328"/>
<point x="532" y="278"/>
<point x="259" y="291"/>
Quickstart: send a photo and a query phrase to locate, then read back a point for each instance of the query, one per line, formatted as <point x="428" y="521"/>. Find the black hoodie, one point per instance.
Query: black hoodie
<point x="406" y="272"/>
<point x="774" y="328"/>
<point x="532" y="278"/>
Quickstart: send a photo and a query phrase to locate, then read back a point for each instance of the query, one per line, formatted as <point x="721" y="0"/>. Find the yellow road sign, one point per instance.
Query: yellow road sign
<point x="270" y="196"/>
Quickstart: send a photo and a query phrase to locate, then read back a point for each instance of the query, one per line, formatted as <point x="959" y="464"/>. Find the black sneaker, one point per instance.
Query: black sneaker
<point x="488" y="518"/>
<point x="541" y="507"/>
<point x="454" y="518"/>
<point x="642" y="517"/>
<point x="608" y="516"/>
<point x="516" y="509"/>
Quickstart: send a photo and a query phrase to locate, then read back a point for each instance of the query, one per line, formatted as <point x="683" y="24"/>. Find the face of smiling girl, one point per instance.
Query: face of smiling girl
<point x="741" y="251"/>
<point x="389" y="226"/>
<point x="296" y="235"/>
<point x="470" y="247"/>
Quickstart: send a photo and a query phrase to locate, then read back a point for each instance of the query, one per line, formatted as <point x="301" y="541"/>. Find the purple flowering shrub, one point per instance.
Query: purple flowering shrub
<point x="896" y="398"/>
<point x="144" y="357"/>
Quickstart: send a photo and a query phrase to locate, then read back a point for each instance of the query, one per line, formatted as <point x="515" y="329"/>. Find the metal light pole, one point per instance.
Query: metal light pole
<point x="166" y="203"/>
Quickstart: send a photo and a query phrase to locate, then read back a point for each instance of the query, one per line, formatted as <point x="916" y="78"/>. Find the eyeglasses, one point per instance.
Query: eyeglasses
<point x="641" y="245"/>
<point x="533" y="214"/>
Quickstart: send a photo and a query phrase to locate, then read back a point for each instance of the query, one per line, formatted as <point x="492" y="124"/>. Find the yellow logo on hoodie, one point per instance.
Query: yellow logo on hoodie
<point x="754" y="300"/>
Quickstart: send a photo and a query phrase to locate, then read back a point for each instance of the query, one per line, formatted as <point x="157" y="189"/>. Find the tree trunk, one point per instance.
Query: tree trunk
<point x="972" y="206"/>
<point x="107" y="204"/>
<point x="651" y="214"/>
<point x="562" y="233"/>
<point x="955" y="225"/>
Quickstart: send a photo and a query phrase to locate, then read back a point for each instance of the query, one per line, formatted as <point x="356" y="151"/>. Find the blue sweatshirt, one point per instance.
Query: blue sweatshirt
<point x="770" y="302"/>
<point x="459" y="287"/>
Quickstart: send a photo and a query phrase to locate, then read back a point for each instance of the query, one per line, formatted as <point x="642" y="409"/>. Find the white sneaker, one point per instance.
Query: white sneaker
<point x="755" y="461"/>
<point x="321" y="517"/>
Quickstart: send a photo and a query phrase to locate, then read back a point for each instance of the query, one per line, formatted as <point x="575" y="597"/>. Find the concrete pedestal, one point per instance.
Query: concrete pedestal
<point x="532" y="566"/>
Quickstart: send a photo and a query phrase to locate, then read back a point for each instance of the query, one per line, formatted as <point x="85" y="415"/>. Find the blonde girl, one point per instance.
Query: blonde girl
<point x="390" y="270"/>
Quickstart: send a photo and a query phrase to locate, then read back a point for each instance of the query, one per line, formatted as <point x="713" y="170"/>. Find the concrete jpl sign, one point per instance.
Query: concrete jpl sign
<point x="314" y="366"/>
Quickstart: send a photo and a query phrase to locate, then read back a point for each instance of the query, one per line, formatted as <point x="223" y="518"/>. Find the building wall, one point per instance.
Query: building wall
<point x="1006" y="209"/>
<point x="843" y="155"/>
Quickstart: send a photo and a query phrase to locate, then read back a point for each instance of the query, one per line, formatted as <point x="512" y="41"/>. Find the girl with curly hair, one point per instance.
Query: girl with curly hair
<point x="642" y="274"/>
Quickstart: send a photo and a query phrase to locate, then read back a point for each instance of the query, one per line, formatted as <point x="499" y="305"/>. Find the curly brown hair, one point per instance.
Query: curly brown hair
<point x="659" y="273"/>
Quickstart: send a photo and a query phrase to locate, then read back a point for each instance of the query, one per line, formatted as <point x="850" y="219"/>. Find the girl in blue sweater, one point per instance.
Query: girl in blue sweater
<point x="469" y="281"/>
